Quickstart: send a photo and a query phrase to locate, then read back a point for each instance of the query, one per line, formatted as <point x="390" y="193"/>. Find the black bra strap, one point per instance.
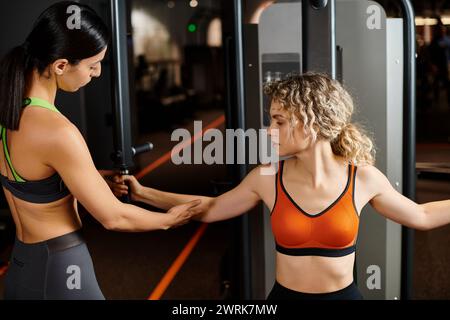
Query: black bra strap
<point x="316" y="251"/>
<point x="15" y="189"/>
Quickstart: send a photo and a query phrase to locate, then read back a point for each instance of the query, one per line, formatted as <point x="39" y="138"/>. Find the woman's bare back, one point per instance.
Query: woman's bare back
<point x="37" y="222"/>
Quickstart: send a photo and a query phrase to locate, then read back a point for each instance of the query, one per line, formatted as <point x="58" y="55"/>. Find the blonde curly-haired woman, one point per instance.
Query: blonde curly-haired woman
<point x="318" y="193"/>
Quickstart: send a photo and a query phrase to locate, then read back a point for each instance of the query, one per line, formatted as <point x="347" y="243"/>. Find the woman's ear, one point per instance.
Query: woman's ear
<point x="60" y="66"/>
<point x="295" y="122"/>
<point x="309" y="133"/>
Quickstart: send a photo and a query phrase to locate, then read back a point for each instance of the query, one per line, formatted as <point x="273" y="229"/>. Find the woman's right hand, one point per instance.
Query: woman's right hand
<point x="120" y="187"/>
<point x="182" y="214"/>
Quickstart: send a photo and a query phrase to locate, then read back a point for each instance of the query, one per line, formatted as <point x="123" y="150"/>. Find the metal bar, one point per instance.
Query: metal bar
<point x="246" y="238"/>
<point x="121" y="93"/>
<point x="409" y="146"/>
<point x="319" y="36"/>
<point x="409" y="141"/>
<point x="333" y="48"/>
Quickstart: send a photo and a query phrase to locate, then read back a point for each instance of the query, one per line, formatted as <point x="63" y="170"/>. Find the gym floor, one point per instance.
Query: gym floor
<point x="432" y="248"/>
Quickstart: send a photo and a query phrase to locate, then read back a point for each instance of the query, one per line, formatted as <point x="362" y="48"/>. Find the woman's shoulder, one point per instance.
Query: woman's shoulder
<point x="265" y="171"/>
<point x="260" y="174"/>
<point x="261" y="179"/>
<point x="368" y="172"/>
<point x="371" y="178"/>
<point x="46" y="126"/>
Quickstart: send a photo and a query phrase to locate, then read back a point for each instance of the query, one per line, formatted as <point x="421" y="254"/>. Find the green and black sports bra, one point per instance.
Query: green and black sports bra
<point x="43" y="191"/>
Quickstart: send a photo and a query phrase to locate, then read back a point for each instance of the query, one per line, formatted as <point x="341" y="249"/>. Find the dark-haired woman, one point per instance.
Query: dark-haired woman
<point x="45" y="164"/>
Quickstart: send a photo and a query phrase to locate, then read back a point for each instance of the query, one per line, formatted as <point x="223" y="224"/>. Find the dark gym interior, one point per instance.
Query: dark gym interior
<point x="178" y="75"/>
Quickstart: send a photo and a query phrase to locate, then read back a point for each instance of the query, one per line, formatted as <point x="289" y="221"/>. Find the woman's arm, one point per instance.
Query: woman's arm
<point x="227" y="206"/>
<point x="108" y="176"/>
<point x="393" y="205"/>
<point x="68" y="154"/>
<point x="153" y="197"/>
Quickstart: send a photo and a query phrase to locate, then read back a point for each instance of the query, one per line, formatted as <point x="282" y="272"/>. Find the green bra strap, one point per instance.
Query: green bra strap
<point x="40" y="103"/>
<point x="28" y="101"/>
<point x="8" y="159"/>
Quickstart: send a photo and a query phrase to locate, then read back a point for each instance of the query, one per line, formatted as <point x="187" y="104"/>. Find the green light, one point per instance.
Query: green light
<point x="192" y="27"/>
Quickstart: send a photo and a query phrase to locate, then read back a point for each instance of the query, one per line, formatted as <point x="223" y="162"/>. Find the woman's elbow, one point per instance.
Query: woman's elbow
<point x="205" y="218"/>
<point x="111" y="224"/>
<point x="111" y="220"/>
<point x="206" y="211"/>
<point x="422" y="227"/>
<point x="422" y="223"/>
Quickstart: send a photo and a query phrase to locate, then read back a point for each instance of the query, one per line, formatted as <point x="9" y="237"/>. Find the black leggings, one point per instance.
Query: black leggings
<point x="282" y="293"/>
<point x="56" y="269"/>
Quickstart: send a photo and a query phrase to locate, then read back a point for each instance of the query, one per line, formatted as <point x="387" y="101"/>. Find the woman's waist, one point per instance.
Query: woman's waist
<point x="39" y="225"/>
<point x="64" y="241"/>
<point x="315" y="273"/>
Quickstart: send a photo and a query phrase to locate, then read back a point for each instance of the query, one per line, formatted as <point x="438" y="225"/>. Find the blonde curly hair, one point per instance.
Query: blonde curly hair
<point x="325" y="109"/>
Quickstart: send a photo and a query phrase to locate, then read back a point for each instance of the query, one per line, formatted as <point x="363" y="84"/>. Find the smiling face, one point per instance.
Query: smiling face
<point x="71" y="78"/>
<point x="287" y="133"/>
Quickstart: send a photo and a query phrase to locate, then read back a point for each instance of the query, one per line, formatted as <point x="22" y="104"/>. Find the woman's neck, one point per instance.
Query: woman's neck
<point x="318" y="163"/>
<point x="42" y="87"/>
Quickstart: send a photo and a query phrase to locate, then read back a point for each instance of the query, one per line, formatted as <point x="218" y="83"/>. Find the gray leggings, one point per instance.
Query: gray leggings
<point x="56" y="269"/>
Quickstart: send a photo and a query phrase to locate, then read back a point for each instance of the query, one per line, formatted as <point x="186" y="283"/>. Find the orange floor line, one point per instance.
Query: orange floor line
<point x="3" y="270"/>
<point x="167" y="156"/>
<point x="185" y="253"/>
<point x="177" y="264"/>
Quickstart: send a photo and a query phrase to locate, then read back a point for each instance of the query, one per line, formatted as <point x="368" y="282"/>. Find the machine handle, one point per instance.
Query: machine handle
<point x="146" y="147"/>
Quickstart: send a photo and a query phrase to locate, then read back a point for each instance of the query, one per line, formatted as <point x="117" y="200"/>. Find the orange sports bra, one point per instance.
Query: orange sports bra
<point x="330" y="233"/>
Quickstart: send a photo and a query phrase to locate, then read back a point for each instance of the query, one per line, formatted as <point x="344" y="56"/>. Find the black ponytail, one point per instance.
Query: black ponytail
<point x="51" y="39"/>
<point x="13" y="73"/>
